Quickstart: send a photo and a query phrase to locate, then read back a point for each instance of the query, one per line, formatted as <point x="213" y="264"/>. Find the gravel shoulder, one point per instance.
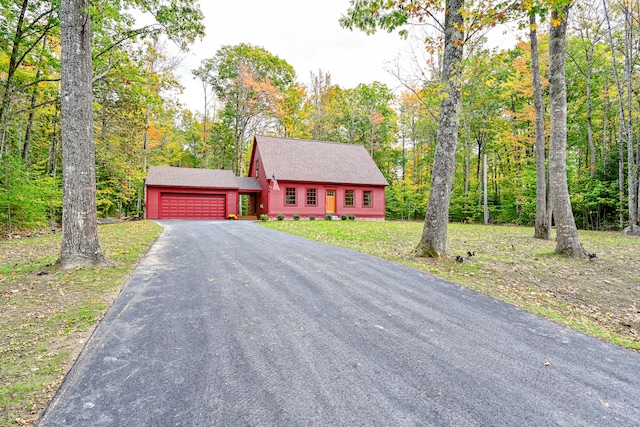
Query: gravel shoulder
<point x="229" y="323"/>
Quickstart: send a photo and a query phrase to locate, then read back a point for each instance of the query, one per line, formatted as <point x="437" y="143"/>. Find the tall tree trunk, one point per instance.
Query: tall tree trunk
<point x="404" y="155"/>
<point x="416" y="150"/>
<point x="631" y="163"/>
<point x="568" y="242"/>
<point x="605" y="126"/>
<point x="52" y="161"/>
<point x="592" y="147"/>
<point x="636" y="230"/>
<point x="622" y="130"/>
<point x="621" y="134"/>
<point x="80" y="245"/>
<point x="20" y="48"/>
<point x="32" y="106"/>
<point x="467" y="166"/>
<point x="14" y="62"/>
<point x="485" y="190"/>
<point x="145" y="136"/>
<point x="542" y="226"/>
<point x="205" y="149"/>
<point x="433" y="242"/>
<point x="589" y="23"/>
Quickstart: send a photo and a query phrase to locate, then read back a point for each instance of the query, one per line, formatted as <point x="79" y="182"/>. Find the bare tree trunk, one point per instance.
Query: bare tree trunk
<point x="542" y="226"/>
<point x="80" y="245"/>
<point x="32" y="106"/>
<point x="589" y="23"/>
<point x="631" y="164"/>
<point x="434" y="235"/>
<point x="621" y="118"/>
<point x="52" y="161"/>
<point x="13" y="65"/>
<point x="636" y="230"/>
<point x="467" y="166"/>
<point x="145" y="137"/>
<point x="404" y="155"/>
<point x="19" y="51"/>
<point x="567" y="233"/>
<point x="592" y="147"/>
<point x="26" y="146"/>
<point x="605" y="126"/>
<point x="487" y="216"/>
<point x="416" y="148"/>
<point x="621" y="170"/>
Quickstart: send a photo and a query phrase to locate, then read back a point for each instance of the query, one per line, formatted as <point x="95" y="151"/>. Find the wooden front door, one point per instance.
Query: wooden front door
<point x="331" y="201"/>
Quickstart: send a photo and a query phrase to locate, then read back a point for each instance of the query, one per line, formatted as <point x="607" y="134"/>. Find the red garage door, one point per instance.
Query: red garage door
<point x="192" y="206"/>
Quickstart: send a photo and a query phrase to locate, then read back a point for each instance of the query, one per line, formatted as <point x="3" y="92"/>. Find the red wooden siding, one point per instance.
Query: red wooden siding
<point x="277" y="201"/>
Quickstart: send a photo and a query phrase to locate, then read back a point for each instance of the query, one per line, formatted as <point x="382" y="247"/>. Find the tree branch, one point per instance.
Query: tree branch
<point x="33" y="45"/>
<point x="127" y="36"/>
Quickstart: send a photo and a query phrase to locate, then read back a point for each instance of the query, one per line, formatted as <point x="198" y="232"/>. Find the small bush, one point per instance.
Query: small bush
<point x="312" y="218"/>
<point x="264" y="217"/>
<point x="296" y="217"/>
<point x="352" y="217"/>
<point x="328" y="217"/>
<point x="280" y="217"/>
<point x="344" y="217"/>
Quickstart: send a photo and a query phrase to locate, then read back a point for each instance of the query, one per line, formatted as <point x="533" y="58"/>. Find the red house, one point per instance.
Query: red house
<point x="286" y="176"/>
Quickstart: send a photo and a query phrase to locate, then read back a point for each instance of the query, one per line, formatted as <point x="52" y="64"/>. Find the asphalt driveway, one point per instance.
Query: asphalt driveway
<point x="229" y="323"/>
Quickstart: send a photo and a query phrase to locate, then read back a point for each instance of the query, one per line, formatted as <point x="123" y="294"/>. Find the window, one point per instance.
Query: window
<point x="290" y="196"/>
<point x="312" y="198"/>
<point x="257" y="167"/>
<point x="367" y="199"/>
<point x="348" y="197"/>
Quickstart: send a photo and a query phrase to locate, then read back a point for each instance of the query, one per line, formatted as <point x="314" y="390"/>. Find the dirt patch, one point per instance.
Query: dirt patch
<point x="603" y="291"/>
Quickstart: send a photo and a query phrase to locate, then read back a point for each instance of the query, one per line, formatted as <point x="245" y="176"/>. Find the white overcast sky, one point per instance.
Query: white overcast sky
<point x="305" y="33"/>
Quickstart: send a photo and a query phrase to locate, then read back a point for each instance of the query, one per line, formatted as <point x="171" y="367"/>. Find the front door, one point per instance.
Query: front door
<point x="331" y="201"/>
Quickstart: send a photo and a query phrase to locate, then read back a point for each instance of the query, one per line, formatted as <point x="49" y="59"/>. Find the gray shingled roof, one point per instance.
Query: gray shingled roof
<point x="248" y="183"/>
<point x="204" y="178"/>
<point x="317" y="161"/>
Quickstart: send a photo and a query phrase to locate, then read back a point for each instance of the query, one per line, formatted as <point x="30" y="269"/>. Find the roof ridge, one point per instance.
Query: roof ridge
<point x="310" y="140"/>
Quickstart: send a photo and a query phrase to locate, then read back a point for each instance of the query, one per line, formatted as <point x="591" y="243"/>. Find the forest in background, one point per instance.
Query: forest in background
<point x="247" y="91"/>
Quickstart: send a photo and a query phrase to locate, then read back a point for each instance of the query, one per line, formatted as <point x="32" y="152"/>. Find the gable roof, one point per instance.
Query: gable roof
<point x="317" y="161"/>
<point x="167" y="176"/>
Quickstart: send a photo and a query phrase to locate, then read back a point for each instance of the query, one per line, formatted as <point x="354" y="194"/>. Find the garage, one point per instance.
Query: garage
<point x="183" y="193"/>
<point x="192" y="206"/>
